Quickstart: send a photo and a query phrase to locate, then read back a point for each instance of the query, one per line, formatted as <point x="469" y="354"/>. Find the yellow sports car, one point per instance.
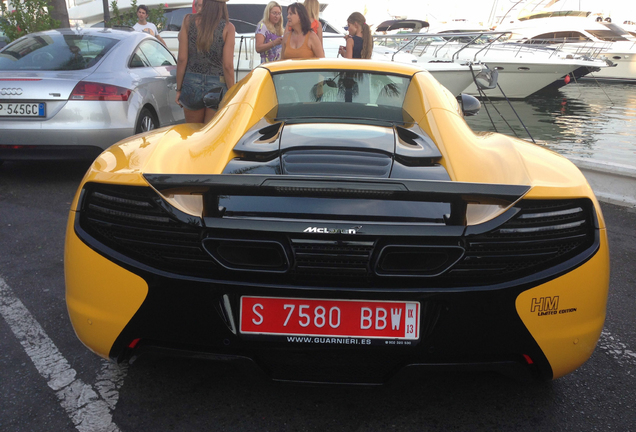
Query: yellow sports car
<point x="338" y="221"/>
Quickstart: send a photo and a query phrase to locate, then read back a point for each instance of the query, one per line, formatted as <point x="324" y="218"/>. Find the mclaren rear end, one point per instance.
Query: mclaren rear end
<point x="339" y="240"/>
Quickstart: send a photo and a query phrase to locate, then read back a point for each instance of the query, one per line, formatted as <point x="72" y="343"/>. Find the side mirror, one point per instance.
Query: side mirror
<point x="213" y="98"/>
<point x="470" y="104"/>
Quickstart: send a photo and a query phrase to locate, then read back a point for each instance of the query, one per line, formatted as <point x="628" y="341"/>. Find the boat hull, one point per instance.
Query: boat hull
<point x="625" y="69"/>
<point x="518" y="81"/>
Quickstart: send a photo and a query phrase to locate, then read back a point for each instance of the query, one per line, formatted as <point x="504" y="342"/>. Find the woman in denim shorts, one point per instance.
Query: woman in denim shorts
<point x="205" y="60"/>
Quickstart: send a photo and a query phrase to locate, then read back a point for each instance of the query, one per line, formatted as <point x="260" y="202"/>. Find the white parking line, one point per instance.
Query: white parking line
<point x="89" y="411"/>
<point x="109" y="381"/>
<point x="617" y="349"/>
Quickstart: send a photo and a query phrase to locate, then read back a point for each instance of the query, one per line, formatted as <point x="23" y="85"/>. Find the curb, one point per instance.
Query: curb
<point x="611" y="182"/>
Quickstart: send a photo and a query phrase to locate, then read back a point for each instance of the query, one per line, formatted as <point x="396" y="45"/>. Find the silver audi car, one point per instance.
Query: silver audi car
<point x="70" y="94"/>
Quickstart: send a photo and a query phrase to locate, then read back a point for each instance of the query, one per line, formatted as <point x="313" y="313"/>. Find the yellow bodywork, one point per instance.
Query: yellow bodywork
<point x="566" y="315"/>
<point x="101" y="296"/>
<point x="99" y="310"/>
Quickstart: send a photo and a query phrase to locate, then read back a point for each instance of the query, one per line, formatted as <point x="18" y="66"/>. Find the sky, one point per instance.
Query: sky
<point x="475" y="10"/>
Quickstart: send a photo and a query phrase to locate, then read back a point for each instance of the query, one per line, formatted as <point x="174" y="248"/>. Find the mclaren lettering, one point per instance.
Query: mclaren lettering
<point x="323" y="230"/>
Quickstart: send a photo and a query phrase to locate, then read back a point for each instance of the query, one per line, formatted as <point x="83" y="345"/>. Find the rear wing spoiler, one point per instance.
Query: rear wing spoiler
<point x="457" y="194"/>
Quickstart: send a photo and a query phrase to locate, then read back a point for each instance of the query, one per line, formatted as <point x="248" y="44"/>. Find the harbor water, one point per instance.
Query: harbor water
<point x="588" y="119"/>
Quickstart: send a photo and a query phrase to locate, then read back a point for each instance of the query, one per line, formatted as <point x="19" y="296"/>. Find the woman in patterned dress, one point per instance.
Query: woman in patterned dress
<point x="206" y="58"/>
<point x="269" y="33"/>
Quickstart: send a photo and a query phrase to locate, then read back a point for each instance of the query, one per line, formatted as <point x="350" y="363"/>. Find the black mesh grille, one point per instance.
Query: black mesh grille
<point x="134" y="222"/>
<point x="543" y="234"/>
<point x="130" y="220"/>
<point x="331" y="260"/>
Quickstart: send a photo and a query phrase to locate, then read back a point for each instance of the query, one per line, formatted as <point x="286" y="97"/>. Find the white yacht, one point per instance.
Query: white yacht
<point x="522" y="69"/>
<point x="577" y="33"/>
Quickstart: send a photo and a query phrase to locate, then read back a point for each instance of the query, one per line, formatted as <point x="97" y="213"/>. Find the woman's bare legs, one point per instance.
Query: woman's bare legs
<point x="194" y="116"/>
<point x="209" y="113"/>
<point x="198" y="116"/>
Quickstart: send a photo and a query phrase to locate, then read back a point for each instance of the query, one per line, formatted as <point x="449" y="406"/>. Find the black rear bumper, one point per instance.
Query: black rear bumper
<point x="460" y="330"/>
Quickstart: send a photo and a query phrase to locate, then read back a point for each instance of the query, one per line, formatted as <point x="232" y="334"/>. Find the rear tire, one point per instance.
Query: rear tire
<point x="147" y="121"/>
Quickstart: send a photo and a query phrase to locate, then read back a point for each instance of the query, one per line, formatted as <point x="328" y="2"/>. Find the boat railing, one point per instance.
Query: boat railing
<point x="247" y="48"/>
<point x="451" y="45"/>
<point x="492" y="39"/>
<point x="418" y="44"/>
<point x="397" y="42"/>
<point x="587" y="48"/>
<point x="245" y="56"/>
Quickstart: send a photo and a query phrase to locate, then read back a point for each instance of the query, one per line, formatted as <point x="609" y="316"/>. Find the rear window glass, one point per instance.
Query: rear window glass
<point x="340" y="94"/>
<point x="55" y="51"/>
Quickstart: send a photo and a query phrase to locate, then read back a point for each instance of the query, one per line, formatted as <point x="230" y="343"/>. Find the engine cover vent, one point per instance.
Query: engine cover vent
<point x="349" y="163"/>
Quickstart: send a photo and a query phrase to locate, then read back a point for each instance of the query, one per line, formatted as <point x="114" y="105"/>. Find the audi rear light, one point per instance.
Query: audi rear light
<point x="99" y="92"/>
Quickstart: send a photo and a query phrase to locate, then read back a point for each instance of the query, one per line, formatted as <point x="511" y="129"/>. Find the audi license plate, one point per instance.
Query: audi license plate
<point x="348" y="322"/>
<point x="32" y="109"/>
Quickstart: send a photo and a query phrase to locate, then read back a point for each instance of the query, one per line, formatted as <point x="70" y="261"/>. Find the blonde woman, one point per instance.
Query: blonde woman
<point x="359" y="40"/>
<point x="205" y="60"/>
<point x="313" y="9"/>
<point x="269" y="33"/>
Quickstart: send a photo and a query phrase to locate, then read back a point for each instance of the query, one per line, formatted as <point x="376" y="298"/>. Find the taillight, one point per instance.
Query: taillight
<point x="99" y="92"/>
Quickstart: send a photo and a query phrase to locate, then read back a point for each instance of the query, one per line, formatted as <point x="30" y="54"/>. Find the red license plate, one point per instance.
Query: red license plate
<point x="338" y="318"/>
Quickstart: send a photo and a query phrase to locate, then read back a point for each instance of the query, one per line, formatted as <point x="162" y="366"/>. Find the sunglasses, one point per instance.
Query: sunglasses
<point x="276" y="13"/>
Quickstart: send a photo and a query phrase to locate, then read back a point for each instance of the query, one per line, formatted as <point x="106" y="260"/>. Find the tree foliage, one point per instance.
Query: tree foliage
<point x="28" y="16"/>
<point x="59" y="12"/>
<point x="129" y="18"/>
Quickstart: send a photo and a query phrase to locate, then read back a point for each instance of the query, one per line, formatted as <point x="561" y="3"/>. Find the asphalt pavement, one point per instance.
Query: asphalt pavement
<point x="51" y="382"/>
